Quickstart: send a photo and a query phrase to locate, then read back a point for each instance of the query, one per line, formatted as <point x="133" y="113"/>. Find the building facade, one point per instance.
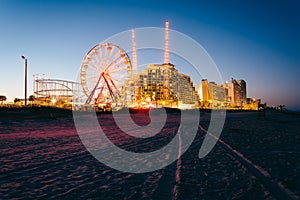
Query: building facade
<point x="163" y="85"/>
<point x="242" y="85"/>
<point x="229" y="95"/>
<point x="237" y="95"/>
<point x="212" y="95"/>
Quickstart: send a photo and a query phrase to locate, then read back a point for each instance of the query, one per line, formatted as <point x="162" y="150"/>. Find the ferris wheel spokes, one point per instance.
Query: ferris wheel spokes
<point x="93" y="91"/>
<point x="104" y="72"/>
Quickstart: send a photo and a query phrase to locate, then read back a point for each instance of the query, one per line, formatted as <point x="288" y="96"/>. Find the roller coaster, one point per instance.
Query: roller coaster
<point x="51" y="91"/>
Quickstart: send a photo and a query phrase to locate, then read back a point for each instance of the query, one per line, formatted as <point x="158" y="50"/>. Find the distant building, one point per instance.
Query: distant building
<point x="164" y="85"/>
<point x="252" y="104"/>
<point x="242" y="84"/>
<point x="237" y="95"/>
<point x="212" y="95"/>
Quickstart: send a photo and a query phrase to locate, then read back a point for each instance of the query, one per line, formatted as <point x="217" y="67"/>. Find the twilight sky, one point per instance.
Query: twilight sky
<point x="257" y="41"/>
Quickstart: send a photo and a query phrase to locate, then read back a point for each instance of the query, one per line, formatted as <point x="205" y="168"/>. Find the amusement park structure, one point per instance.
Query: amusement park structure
<point x="107" y="78"/>
<point x="105" y="69"/>
<point x="53" y="91"/>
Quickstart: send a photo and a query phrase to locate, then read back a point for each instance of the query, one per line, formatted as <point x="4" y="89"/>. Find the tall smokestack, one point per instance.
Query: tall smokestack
<point x="166" y="60"/>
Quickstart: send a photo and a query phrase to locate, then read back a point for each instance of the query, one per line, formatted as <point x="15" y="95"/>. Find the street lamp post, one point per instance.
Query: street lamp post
<point x="25" y="97"/>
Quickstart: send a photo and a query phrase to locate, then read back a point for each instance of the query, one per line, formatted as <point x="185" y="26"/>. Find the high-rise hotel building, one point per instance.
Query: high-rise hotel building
<point x="163" y="85"/>
<point x="237" y="95"/>
<point x="212" y="95"/>
<point x="232" y="95"/>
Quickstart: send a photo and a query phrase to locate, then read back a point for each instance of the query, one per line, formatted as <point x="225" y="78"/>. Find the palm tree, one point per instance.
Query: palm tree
<point x="31" y="98"/>
<point x="16" y="100"/>
<point x="2" y="98"/>
<point x="282" y="107"/>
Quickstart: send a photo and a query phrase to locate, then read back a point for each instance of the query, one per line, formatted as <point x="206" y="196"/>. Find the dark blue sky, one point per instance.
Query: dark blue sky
<point x="257" y="41"/>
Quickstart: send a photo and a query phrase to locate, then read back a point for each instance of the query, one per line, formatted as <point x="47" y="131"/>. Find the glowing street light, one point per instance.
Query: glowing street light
<point x="53" y="101"/>
<point x="25" y="97"/>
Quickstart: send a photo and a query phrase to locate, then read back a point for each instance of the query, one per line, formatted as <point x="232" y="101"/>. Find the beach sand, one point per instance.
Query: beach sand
<point x="43" y="157"/>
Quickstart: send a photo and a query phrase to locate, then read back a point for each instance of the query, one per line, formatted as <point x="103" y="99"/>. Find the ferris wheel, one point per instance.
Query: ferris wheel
<point x="104" y="72"/>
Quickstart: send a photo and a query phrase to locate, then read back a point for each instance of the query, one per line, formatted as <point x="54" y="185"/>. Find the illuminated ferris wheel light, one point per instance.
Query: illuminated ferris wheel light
<point x="103" y="74"/>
